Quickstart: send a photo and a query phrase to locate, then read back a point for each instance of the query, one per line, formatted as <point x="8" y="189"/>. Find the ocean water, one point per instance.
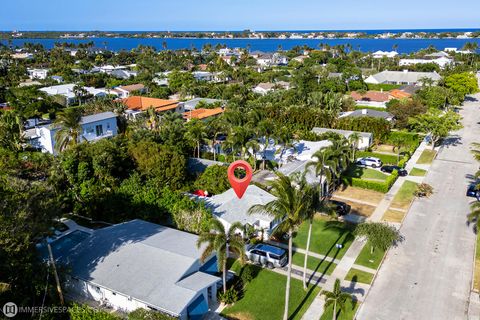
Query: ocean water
<point x="266" y="45"/>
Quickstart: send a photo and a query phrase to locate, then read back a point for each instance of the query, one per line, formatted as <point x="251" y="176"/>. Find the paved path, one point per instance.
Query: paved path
<point x="429" y="275"/>
<point x="348" y="260"/>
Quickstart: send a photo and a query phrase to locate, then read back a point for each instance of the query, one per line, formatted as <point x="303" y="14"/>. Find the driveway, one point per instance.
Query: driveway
<point x="429" y="275"/>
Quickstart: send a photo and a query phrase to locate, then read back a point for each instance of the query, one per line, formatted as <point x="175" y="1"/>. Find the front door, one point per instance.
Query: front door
<point x="99" y="130"/>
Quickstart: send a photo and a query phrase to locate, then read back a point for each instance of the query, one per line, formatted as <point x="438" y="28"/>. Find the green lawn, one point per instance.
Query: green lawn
<point x="370" y="260"/>
<point x="404" y="196"/>
<point x="427" y="156"/>
<point x="364" y="173"/>
<point x="359" y="276"/>
<point x="323" y="240"/>
<point x="418" y="172"/>
<point x="324" y="267"/>
<point x="264" y="298"/>
<point x="351" y="309"/>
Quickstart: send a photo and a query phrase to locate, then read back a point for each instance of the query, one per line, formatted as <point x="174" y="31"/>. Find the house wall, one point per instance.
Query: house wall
<point x="364" y="142"/>
<point x="46" y="139"/>
<point x="109" y="129"/>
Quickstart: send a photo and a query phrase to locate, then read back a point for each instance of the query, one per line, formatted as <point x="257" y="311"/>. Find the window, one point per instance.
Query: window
<point x="99" y="130"/>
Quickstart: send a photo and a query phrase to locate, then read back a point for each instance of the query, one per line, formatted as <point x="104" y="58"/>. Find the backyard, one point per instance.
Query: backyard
<point x="258" y="302"/>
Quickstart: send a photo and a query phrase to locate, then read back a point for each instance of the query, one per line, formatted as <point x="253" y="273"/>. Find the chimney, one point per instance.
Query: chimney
<point x="364" y="111"/>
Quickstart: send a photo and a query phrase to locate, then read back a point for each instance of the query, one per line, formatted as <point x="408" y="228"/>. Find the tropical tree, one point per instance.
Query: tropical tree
<point x="398" y="141"/>
<point x="354" y="140"/>
<point x="337" y="298"/>
<point x="379" y="235"/>
<point x="196" y="134"/>
<point x="69" y="129"/>
<point x="222" y="242"/>
<point x="436" y="123"/>
<point x="289" y="208"/>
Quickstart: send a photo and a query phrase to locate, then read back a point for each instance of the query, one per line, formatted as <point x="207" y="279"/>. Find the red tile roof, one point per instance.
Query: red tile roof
<point x="376" y="96"/>
<point x="399" y="94"/>
<point x="202" y="113"/>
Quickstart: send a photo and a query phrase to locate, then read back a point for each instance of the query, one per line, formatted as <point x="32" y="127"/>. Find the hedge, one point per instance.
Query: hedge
<point x="372" y="185"/>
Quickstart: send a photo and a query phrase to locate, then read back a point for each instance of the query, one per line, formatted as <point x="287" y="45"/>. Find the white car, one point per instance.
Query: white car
<point x="369" y="162"/>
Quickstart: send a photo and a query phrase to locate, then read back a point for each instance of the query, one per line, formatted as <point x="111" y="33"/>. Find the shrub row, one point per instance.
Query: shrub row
<point x="373" y="185"/>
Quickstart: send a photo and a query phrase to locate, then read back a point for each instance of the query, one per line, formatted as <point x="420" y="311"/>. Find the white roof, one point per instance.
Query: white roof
<point x="401" y="76"/>
<point x="142" y="260"/>
<point x="228" y="207"/>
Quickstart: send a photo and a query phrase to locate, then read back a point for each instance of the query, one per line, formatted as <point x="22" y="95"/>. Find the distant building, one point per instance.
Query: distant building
<point x="206" y="76"/>
<point x="384" y="54"/>
<point x="365" y="141"/>
<point x="368" y="113"/>
<point x="94" y="127"/>
<point x="138" y="264"/>
<point x="39" y="74"/>
<point x="125" y="91"/>
<point x="371" y="98"/>
<point x="266" y="87"/>
<point x="442" y="62"/>
<point x="68" y="91"/>
<point x="138" y="104"/>
<point x="123" y="74"/>
<point x="202" y="113"/>
<point x="192" y="104"/>
<point x="404" y="77"/>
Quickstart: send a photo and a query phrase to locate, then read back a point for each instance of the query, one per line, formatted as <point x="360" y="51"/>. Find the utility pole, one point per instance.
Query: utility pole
<point x="57" y="280"/>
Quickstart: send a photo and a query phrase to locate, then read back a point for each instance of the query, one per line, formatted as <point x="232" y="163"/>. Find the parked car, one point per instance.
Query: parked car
<point x="472" y="192"/>
<point x="340" y="207"/>
<point x="389" y="169"/>
<point x="267" y="255"/>
<point x="369" y="162"/>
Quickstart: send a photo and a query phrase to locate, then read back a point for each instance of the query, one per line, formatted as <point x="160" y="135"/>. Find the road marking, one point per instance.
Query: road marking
<point x="455" y="161"/>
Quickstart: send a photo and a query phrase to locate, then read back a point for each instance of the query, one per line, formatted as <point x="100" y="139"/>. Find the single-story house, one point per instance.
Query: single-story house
<point x="125" y="91"/>
<point x="192" y="104"/>
<point x="68" y="91"/>
<point x="138" y="264"/>
<point x="228" y="208"/>
<point x="206" y="76"/>
<point x="371" y="98"/>
<point x="202" y="113"/>
<point x="368" y="113"/>
<point x="387" y="54"/>
<point x="266" y="87"/>
<point x="94" y="127"/>
<point x="404" y="77"/>
<point x="138" y="104"/>
<point x="123" y="74"/>
<point x="365" y="141"/>
<point x="442" y="62"/>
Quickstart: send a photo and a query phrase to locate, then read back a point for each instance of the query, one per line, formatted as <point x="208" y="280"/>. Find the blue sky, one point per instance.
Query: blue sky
<point x="237" y="15"/>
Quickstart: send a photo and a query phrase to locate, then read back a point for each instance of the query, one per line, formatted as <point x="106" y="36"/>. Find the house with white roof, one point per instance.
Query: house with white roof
<point x="442" y="62"/>
<point x="68" y="91"/>
<point x="228" y="208"/>
<point x="94" y="127"/>
<point x="365" y="138"/>
<point x="40" y="74"/>
<point x="381" y="54"/>
<point x="138" y="264"/>
<point x="264" y="88"/>
<point x="404" y="77"/>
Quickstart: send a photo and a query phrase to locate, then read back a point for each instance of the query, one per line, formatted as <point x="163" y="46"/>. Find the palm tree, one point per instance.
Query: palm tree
<point x="222" y="242"/>
<point x="289" y="208"/>
<point x="70" y="130"/>
<point x="354" y="139"/>
<point x="337" y="298"/>
<point x="196" y="134"/>
<point x="474" y="215"/>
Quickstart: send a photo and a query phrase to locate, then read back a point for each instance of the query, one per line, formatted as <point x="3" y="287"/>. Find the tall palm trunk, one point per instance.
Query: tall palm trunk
<point x="306" y="255"/>
<point x="198" y="147"/>
<point x="224" y="276"/>
<point x="289" y="275"/>
<point x="335" y="310"/>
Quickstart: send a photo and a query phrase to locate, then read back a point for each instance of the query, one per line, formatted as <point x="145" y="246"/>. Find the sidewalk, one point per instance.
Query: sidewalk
<point x="348" y="261"/>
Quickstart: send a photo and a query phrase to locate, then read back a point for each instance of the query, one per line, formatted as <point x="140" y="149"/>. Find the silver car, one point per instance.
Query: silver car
<point x="267" y="256"/>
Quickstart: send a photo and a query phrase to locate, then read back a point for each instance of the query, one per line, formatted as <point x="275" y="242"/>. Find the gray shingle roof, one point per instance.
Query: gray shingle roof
<point x="142" y="260"/>
<point x="369" y="113"/>
<point x="97" y="117"/>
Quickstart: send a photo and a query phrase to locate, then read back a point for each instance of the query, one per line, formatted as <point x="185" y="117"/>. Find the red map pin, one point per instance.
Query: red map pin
<point x="239" y="185"/>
